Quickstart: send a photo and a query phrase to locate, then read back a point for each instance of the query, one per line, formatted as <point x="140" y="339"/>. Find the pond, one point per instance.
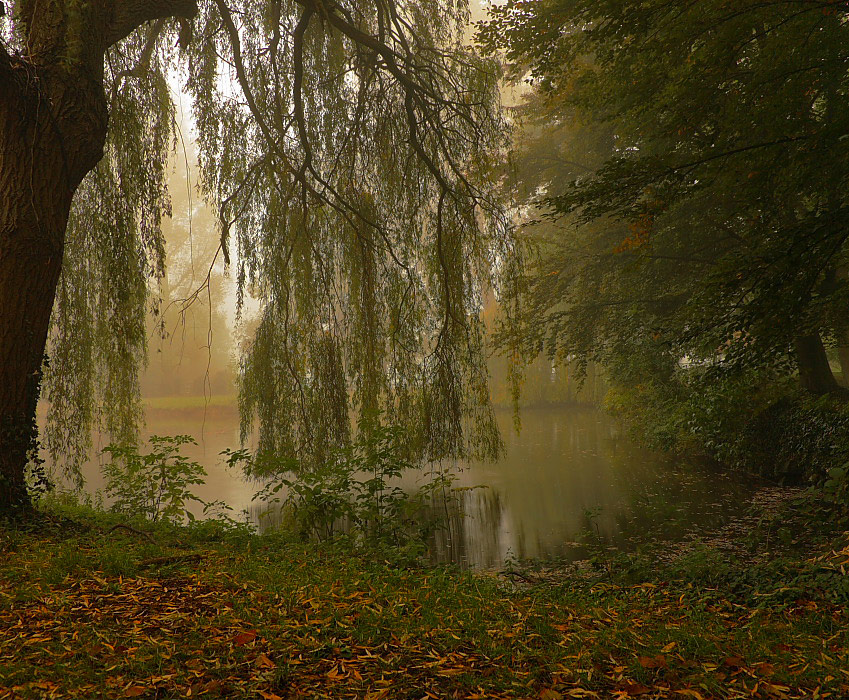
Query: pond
<point x="571" y="472"/>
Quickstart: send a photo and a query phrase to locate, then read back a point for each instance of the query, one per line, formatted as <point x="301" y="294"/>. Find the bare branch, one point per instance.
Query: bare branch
<point x="128" y="15"/>
<point x="143" y="63"/>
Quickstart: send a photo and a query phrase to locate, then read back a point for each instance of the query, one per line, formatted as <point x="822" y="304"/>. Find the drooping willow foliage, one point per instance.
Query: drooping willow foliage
<point x="114" y="257"/>
<point x="350" y="150"/>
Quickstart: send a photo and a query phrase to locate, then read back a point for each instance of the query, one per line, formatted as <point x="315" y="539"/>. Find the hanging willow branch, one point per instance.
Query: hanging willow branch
<point x="351" y="150"/>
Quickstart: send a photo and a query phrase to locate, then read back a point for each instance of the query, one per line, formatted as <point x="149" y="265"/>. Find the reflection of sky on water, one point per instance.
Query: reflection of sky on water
<point x="569" y="470"/>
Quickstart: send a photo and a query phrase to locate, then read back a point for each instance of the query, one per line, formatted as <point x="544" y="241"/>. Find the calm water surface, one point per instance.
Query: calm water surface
<point x="571" y="471"/>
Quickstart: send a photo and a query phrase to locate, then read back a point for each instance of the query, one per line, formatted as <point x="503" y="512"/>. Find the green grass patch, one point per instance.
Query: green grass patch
<point x="90" y="611"/>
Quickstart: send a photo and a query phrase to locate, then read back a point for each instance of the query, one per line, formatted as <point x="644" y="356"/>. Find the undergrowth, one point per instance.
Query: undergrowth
<point x="91" y="610"/>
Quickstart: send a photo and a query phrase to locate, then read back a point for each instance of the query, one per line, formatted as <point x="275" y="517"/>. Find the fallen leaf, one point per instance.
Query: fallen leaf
<point x="378" y="695"/>
<point x="652" y="661"/>
<point x="635" y="689"/>
<point x="244" y="637"/>
<point x="264" y="662"/>
<point x="765" y="668"/>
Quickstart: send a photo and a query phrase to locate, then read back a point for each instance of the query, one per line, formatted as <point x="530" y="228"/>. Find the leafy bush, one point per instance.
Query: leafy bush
<point x="692" y="411"/>
<point x="753" y="421"/>
<point x="216" y="523"/>
<point x="354" y="491"/>
<point x="835" y="488"/>
<point x="797" y="438"/>
<point x="156" y="485"/>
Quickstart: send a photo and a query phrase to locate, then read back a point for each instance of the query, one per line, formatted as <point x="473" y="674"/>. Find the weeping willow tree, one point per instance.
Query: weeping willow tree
<point x="348" y="149"/>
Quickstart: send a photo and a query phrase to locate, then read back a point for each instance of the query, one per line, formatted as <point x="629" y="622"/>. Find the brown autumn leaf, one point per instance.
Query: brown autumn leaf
<point x="134" y="691"/>
<point x="652" y="661"/>
<point x="765" y="668"/>
<point x="269" y="696"/>
<point x="264" y="662"/>
<point x="244" y="637"/>
<point x="634" y="689"/>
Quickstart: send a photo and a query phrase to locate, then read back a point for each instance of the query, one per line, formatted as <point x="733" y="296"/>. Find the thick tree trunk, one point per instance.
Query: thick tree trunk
<point x="815" y="374"/>
<point x="52" y="130"/>
<point x="30" y="263"/>
<point x="53" y="122"/>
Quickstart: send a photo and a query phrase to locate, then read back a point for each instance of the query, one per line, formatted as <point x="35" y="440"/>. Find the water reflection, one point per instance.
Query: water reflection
<point x="569" y="471"/>
<point x="572" y="474"/>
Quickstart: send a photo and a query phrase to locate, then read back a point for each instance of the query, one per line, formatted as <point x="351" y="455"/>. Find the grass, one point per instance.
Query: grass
<point x="91" y="612"/>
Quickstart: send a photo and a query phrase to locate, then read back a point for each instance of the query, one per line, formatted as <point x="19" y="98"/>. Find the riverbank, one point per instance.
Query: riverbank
<point x="567" y="470"/>
<point x="88" y="610"/>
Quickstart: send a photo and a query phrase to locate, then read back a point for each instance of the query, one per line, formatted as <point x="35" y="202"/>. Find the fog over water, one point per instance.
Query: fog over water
<point x="569" y="472"/>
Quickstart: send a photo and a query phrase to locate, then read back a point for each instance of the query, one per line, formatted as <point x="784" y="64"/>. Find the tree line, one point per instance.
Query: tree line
<point x="685" y="166"/>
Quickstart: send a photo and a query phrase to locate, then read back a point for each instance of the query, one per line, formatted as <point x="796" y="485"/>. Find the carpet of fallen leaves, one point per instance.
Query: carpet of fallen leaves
<point x="277" y="623"/>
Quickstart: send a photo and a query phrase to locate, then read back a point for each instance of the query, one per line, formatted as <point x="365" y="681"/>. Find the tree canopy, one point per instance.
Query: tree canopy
<point x="700" y="193"/>
<point x="349" y="150"/>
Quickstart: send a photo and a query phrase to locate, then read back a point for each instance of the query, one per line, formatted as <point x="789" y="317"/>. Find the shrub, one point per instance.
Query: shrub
<point x="355" y="491"/>
<point x="797" y="438"/>
<point x="754" y="421"/>
<point x="156" y="485"/>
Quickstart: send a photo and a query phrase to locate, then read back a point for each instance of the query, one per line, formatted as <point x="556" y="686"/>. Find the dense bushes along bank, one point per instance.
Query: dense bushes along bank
<point x="761" y="423"/>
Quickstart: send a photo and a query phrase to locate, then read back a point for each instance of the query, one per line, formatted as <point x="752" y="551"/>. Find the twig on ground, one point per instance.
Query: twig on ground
<point x="161" y="561"/>
<point x="519" y="574"/>
<point x="122" y="526"/>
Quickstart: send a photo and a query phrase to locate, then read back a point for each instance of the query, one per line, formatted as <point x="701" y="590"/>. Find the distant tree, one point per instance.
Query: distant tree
<point x="348" y="148"/>
<point x="190" y="350"/>
<point x="701" y="208"/>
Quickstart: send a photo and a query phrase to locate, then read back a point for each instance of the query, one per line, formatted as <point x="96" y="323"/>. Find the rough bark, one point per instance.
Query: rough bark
<point x="53" y="124"/>
<point x="815" y="374"/>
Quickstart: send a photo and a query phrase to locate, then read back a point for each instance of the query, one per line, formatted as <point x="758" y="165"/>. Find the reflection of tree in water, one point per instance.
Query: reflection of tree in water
<point x="571" y="475"/>
<point x="471" y="531"/>
<point x="266" y="516"/>
<point x="467" y="530"/>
